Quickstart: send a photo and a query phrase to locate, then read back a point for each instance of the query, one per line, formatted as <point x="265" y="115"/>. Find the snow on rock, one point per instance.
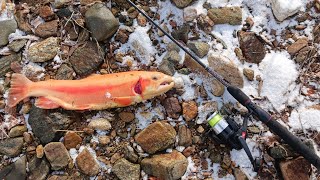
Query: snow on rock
<point x="284" y="8"/>
<point x="141" y="43"/>
<point x="305" y="118"/>
<point x="278" y="73"/>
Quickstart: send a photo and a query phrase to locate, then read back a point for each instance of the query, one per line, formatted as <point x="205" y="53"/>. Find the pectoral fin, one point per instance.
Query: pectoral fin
<point x="45" y="103"/>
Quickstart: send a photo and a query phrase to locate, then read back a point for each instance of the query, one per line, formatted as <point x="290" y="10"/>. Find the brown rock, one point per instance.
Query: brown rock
<point x="156" y="137"/>
<point x="17" y="131"/>
<point x="165" y="166"/>
<point x="47" y="29"/>
<point x="86" y="2"/>
<point x="11" y="146"/>
<point x="104" y="140"/>
<point x="189" y="151"/>
<point x="252" y="48"/>
<point x="172" y="107"/>
<point x="22" y="19"/>
<point x="249" y="73"/>
<point x="297" y="46"/>
<point x="64" y="72"/>
<point x="72" y="139"/>
<point x="126" y="116"/>
<point x="87" y="164"/>
<point x="296" y="169"/>
<point x="189" y="110"/>
<point x="239" y="175"/>
<point x="39" y="151"/>
<point x="217" y="88"/>
<point x="224" y="15"/>
<point x="122" y="36"/>
<point x="184" y="136"/>
<point x="27" y="137"/>
<point x="57" y="155"/>
<point x="44" y="50"/>
<point x="142" y="21"/>
<point x="46" y="12"/>
<point x="86" y="59"/>
<point x="181" y="3"/>
<point x="226" y="68"/>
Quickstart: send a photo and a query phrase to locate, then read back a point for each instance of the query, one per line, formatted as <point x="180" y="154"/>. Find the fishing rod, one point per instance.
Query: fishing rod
<point x="256" y="111"/>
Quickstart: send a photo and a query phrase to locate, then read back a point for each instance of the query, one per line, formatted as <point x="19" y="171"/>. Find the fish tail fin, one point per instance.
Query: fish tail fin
<point x="18" y="90"/>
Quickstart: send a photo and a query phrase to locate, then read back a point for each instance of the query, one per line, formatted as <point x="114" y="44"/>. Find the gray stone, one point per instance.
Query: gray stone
<point x="15" y="171"/>
<point x="226" y="15"/>
<point x="252" y="48"/>
<point x="173" y="47"/>
<point x="126" y="170"/>
<point x="181" y="33"/>
<point x="64" y="73"/>
<point x="87" y="164"/>
<point x="282" y="11"/>
<point x="17" y="45"/>
<point x="297" y="46"/>
<point x="6" y="61"/>
<point x="130" y="154"/>
<point x="172" y="56"/>
<point x="38" y="168"/>
<point x="101" y="22"/>
<point x="44" y="51"/>
<point x="17" y="131"/>
<point x="44" y="124"/>
<point x="57" y="155"/>
<point x="200" y="48"/>
<point x="169" y="166"/>
<point x="189" y="14"/>
<point x="167" y="67"/>
<point x="86" y="59"/>
<point x="226" y="68"/>
<point x="11" y="146"/>
<point x="156" y="137"/>
<point x="181" y="3"/>
<point x="7" y="27"/>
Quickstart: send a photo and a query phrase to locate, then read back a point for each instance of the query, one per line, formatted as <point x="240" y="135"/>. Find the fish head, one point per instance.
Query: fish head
<point x="152" y="84"/>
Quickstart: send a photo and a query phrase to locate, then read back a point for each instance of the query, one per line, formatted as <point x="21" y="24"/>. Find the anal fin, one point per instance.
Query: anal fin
<point x="45" y="103"/>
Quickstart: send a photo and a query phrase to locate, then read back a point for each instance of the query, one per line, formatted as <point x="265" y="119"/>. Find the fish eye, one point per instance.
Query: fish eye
<point x="154" y="78"/>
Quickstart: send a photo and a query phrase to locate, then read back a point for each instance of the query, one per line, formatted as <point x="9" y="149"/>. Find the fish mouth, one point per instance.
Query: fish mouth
<point x="167" y="83"/>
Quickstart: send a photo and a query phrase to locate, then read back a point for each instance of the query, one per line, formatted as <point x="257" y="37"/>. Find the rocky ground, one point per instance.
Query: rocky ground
<point x="269" y="48"/>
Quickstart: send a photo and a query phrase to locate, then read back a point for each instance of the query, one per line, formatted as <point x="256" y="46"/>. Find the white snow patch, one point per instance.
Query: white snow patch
<point x="279" y="72"/>
<point x="241" y="159"/>
<point x="305" y="118"/>
<point x="189" y="90"/>
<point x="284" y="8"/>
<point x="140" y="41"/>
<point x="147" y="113"/>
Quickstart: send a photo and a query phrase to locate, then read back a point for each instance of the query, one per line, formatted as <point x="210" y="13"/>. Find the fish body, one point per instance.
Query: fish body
<point x="92" y="93"/>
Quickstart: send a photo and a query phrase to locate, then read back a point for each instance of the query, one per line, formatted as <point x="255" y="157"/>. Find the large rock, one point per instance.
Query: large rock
<point x="17" y="131"/>
<point x="44" y="51"/>
<point x="189" y="110"/>
<point x="166" y="166"/>
<point x="87" y="164"/>
<point x="6" y="61"/>
<point x="226" y="15"/>
<point x="7" y="27"/>
<point x="200" y="48"/>
<point x="57" y="155"/>
<point x="283" y="9"/>
<point x="17" y="44"/>
<point x="86" y="59"/>
<point x="181" y="3"/>
<point x="172" y="107"/>
<point x="296" y="169"/>
<point x="227" y="69"/>
<point x="156" y="137"/>
<point x="126" y="170"/>
<point x="101" y="22"/>
<point x="44" y="125"/>
<point x="15" y="171"/>
<point x="252" y="48"/>
<point x="38" y="168"/>
<point x="11" y="146"/>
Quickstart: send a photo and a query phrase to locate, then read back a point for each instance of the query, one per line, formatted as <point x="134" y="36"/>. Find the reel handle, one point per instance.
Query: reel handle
<point x="275" y="126"/>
